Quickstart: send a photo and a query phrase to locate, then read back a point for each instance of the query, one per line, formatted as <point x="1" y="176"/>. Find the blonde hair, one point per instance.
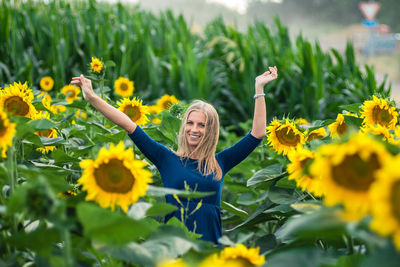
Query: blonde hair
<point x="207" y="163"/>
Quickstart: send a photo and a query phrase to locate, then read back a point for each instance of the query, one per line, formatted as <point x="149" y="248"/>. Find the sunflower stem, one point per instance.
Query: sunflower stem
<point x="69" y="262"/>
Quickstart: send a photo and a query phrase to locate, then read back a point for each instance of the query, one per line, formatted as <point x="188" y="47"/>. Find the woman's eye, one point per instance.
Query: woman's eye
<point x="189" y="122"/>
<point x="202" y="125"/>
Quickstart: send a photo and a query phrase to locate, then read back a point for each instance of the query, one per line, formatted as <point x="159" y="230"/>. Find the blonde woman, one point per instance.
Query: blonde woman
<point x="195" y="163"/>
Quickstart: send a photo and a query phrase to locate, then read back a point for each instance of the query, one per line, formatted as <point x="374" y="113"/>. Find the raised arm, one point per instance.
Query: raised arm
<point x="110" y="112"/>
<point x="260" y="112"/>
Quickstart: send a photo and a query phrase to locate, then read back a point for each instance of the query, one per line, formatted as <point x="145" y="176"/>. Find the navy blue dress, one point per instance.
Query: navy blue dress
<point x="174" y="172"/>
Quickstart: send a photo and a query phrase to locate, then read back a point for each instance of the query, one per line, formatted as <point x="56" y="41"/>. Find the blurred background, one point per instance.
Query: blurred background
<point x="330" y="22"/>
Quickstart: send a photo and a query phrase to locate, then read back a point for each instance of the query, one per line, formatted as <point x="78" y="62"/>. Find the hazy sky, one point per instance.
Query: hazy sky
<point x="238" y="5"/>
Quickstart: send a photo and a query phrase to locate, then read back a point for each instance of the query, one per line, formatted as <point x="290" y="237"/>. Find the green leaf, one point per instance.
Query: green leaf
<point x="229" y="207"/>
<point x="162" y="191"/>
<point x="109" y="227"/>
<point x="320" y="224"/>
<point x="61" y="157"/>
<point x="109" y="63"/>
<point x="52" y="141"/>
<point x="160" y="209"/>
<point x="299" y="257"/>
<point x="353" y="108"/>
<point x="281" y="195"/>
<point x="353" y="121"/>
<point x="269" y="173"/>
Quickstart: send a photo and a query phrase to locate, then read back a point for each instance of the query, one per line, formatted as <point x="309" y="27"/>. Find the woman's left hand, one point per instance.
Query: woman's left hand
<point x="266" y="77"/>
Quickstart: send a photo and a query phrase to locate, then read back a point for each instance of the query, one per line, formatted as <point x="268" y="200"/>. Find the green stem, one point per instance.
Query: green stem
<point x="68" y="260"/>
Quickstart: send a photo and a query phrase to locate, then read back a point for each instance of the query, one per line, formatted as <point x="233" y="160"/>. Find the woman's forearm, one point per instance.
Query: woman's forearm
<point x="114" y="115"/>
<point x="260" y="115"/>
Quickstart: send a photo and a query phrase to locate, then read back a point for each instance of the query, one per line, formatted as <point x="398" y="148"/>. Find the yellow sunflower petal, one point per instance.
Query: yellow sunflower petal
<point x="135" y="110"/>
<point x="378" y="111"/>
<point x="284" y="137"/>
<point x="7" y="132"/>
<point x="46" y="83"/>
<point x="166" y="101"/>
<point x="124" y="87"/>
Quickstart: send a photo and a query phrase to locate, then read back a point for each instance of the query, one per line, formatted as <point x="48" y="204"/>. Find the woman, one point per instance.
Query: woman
<point x="195" y="163"/>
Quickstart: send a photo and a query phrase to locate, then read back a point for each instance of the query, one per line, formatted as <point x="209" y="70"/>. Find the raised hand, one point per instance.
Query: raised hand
<point x="266" y="77"/>
<point x="85" y="84"/>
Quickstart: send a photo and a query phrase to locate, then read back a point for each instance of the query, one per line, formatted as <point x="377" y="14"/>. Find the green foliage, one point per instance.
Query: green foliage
<point x="162" y="56"/>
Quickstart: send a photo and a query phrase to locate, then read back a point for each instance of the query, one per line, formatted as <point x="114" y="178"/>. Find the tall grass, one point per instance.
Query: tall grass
<point x="162" y="55"/>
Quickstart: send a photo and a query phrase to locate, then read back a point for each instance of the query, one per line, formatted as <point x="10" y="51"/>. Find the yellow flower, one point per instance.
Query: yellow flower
<point x="248" y="256"/>
<point x="7" y="132"/>
<point x="16" y="100"/>
<point x="46" y="100"/>
<point x="238" y="256"/>
<point x="96" y="65"/>
<point x="114" y="178"/>
<point x="301" y="121"/>
<point x="71" y="92"/>
<point x="135" y="110"/>
<point x="46" y="83"/>
<point x="339" y="127"/>
<point x="385" y="194"/>
<point x="347" y="171"/>
<point x="49" y="133"/>
<point x="124" y="87"/>
<point x="166" y="101"/>
<point x="154" y="109"/>
<point x="316" y="134"/>
<point x="57" y="109"/>
<point x="80" y="114"/>
<point x="66" y="194"/>
<point x="284" y="137"/>
<point x="378" y="111"/>
<point x="378" y="130"/>
<point x="300" y="159"/>
<point x="172" y="263"/>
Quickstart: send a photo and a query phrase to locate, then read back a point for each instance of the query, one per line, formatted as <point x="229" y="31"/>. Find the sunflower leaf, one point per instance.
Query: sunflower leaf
<point x="269" y="173"/>
<point x="162" y="191"/>
<point x="112" y="228"/>
<point x="353" y="108"/>
<point x="42" y="124"/>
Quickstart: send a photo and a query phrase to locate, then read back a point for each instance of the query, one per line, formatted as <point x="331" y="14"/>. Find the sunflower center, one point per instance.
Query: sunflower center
<point x="381" y="116"/>
<point x="132" y="112"/>
<point x="354" y="173"/>
<point x="286" y="136"/>
<point x="342" y="128"/>
<point x="45" y="133"/>
<point x="71" y="93"/>
<point x="167" y="104"/>
<point x="395" y="199"/>
<point x="242" y="262"/>
<point x="16" y="106"/>
<point x="114" y="177"/>
<point x="123" y="87"/>
<point x="313" y="136"/>
<point x="2" y="127"/>
<point x="46" y="83"/>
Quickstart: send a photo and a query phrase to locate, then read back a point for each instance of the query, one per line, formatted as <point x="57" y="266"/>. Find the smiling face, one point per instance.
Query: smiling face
<point x="195" y="128"/>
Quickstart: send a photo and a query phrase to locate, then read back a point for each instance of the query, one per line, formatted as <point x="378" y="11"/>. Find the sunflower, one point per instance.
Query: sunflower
<point x="46" y="100"/>
<point x="24" y="89"/>
<point x="96" y="65"/>
<point x="347" y="171"/>
<point x="46" y="83"/>
<point x="16" y="100"/>
<point x="153" y="110"/>
<point x="301" y="121"/>
<point x="55" y="109"/>
<point x="300" y="160"/>
<point x="316" y="134"/>
<point x="115" y="177"/>
<point x="80" y="114"/>
<point x="172" y="263"/>
<point x="123" y="87"/>
<point x="166" y="101"/>
<point x="7" y="132"/>
<point x="379" y="111"/>
<point x="49" y="133"/>
<point x="378" y="130"/>
<point x="385" y="194"/>
<point x="238" y="256"/>
<point x="135" y="110"/>
<point x="339" y="127"/>
<point x="71" y="92"/>
<point x="284" y="137"/>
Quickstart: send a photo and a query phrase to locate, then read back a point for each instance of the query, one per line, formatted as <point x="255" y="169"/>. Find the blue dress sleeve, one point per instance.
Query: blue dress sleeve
<point x="233" y="155"/>
<point x="152" y="150"/>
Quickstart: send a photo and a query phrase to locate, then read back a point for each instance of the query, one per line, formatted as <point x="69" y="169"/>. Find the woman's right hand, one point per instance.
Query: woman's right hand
<point x="86" y="85"/>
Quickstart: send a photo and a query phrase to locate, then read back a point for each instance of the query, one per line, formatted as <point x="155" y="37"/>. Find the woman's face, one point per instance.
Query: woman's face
<point x="195" y="128"/>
